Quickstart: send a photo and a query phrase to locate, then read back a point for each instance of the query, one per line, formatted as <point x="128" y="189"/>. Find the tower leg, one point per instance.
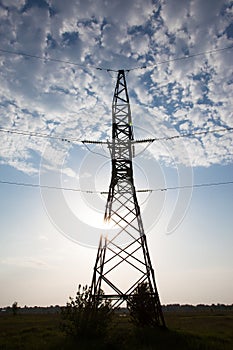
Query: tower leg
<point x="98" y="271"/>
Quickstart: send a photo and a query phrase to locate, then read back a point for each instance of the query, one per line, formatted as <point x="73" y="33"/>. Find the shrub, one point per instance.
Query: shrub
<point x="141" y="306"/>
<point x="15" y="308"/>
<point x="83" y="318"/>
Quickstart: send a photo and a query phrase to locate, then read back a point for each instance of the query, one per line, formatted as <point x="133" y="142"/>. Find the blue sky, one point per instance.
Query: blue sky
<point x="47" y="236"/>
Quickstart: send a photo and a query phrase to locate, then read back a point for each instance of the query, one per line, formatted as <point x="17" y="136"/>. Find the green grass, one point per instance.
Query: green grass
<point x="186" y="331"/>
<point x="204" y="324"/>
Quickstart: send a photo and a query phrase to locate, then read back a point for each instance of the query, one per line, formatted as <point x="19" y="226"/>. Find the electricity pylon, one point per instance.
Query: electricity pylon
<point x="123" y="256"/>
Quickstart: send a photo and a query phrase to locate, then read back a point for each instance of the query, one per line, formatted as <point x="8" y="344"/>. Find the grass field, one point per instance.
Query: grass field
<point x="190" y="330"/>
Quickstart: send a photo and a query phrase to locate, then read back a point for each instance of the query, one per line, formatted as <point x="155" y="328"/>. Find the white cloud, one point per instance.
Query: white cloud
<point x="69" y="172"/>
<point x="26" y="262"/>
<point x="68" y="100"/>
<point x="174" y="13"/>
<point x="43" y="238"/>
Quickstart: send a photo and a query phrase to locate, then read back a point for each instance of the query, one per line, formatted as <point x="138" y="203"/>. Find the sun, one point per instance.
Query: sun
<point x="87" y="212"/>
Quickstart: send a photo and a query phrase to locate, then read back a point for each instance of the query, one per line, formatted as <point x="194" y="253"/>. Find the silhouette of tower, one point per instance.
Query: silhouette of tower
<point x="123" y="259"/>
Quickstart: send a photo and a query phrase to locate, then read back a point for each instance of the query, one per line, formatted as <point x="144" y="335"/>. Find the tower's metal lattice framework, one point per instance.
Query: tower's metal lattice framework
<point x="126" y="251"/>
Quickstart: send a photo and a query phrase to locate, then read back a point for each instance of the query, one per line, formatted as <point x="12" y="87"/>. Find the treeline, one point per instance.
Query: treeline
<point x="166" y="308"/>
<point x="199" y="307"/>
<point x="32" y="309"/>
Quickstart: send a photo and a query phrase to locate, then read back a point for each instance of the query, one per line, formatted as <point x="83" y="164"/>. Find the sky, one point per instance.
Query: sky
<point x="58" y="70"/>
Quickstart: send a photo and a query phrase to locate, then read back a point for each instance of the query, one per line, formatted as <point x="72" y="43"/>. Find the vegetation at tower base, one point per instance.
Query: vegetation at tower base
<point x="141" y="307"/>
<point x="203" y="328"/>
<point x="84" y="318"/>
<point x="15" y="308"/>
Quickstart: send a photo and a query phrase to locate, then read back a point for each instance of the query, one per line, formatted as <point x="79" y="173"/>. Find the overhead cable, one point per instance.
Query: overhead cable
<point x="83" y="66"/>
<point x="37" y="134"/>
<point x="23" y="184"/>
<point x="78" y="140"/>
<point x="182" y="58"/>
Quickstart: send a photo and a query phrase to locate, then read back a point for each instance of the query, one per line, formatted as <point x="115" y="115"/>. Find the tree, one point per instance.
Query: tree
<point x="141" y="306"/>
<point x="15" y="308"/>
<point x="83" y="318"/>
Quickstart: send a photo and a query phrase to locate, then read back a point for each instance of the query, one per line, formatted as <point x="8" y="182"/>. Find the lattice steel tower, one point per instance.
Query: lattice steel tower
<point x="123" y="259"/>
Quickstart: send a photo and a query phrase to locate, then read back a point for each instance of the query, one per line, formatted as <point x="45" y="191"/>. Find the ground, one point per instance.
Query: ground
<point x="186" y="330"/>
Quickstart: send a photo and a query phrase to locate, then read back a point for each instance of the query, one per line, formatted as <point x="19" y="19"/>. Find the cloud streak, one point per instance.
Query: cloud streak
<point x="26" y="262"/>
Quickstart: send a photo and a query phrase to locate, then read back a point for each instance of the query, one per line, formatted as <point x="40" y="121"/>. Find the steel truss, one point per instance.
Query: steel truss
<point x="127" y="247"/>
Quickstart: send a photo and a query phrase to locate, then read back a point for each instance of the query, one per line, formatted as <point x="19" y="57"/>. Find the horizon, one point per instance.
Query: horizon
<point x="121" y="307"/>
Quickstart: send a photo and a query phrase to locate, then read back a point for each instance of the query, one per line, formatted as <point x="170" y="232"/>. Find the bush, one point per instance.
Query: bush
<point x="141" y="306"/>
<point x="15" y="308"/>
<point x="82" y="318"/>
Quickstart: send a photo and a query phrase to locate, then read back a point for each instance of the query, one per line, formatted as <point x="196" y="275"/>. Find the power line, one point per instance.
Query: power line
<point x="183" y="58"/>
<point x="23" y="184"/>
<point x="76" y="140"/>
<point x="36" y="134"/>
<point x="227" y="129"/>
<point x="49" y="59"/>
<point x="194" y="186"/>
<point x="183" y="187"/>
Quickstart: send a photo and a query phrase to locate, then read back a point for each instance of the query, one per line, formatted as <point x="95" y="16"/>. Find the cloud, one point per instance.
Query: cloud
<point x="58" y="98"/>
<point x="26" y="262"/>
<point x="43" y="238"/>
<point x="69" y="172"/>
